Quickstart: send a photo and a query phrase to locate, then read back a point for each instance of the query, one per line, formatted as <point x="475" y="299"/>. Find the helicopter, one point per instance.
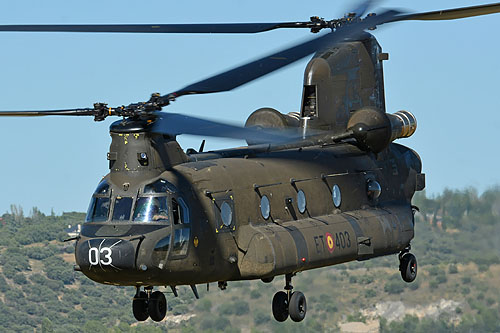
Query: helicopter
<point x="327" y="186"/>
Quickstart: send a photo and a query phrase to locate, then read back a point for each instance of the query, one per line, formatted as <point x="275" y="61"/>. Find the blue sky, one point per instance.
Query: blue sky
<point x="446" y="73"/>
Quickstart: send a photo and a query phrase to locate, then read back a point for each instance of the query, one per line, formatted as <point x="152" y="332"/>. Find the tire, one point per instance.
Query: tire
<point x="408" y="267"/>
<point x="140" y="306"/>
<point x="280" y="306"/>
<point x="157" y="306"/>
<point x="297" y="307"/>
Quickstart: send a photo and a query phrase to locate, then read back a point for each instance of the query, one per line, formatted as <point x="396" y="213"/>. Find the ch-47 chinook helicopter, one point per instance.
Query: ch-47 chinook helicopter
<point x="312" y="189"/>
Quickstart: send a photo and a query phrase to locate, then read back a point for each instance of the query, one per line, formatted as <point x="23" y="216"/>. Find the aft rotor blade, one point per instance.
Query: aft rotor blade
<point x="41" y="113"/>
<point x="363" y="7"/>
<point x="210" y="28"/>
<point x="176" y="124"/>
<point x="453" y="14"/>
<point x="248" y="72"/>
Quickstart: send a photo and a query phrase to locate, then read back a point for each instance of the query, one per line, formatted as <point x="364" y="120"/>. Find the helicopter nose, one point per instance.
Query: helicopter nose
<point x="105" y="255"/>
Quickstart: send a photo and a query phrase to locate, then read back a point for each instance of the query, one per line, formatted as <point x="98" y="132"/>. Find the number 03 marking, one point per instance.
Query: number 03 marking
<point x="95" y="256"/>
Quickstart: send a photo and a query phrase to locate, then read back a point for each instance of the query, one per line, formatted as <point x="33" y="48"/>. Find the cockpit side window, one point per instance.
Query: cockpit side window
<point x="102" y="188"/>
<point x="180" y="211"/>
<point x="184" y="211"/>
<point x="181" y="242"/>
<point x="98" y="210"/>
<point x="151" y="209"/>
<point x="181" y="228"/>
<point x="99" y="204"/>
<point x="122" y="208"/>
<point x="175" y="211"/>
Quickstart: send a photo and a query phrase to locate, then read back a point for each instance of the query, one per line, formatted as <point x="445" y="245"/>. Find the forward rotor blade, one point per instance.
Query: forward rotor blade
<point x="41" y="113"/>
<point x="453" y="14"/>
<point x="176" y="124"/>
<point x="157" y="28"/>
<point x="248" y="72"/>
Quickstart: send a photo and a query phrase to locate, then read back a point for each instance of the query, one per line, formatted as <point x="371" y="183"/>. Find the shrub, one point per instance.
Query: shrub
<point x="370" y="293"/>
<point x="260" y="317"/>
<point x="393" y="287"/>
<point x="367" y="279"/>
<point x="3" y="284"/>
<point x="435" y="270"/>
<point x="204" y="305"/>
<point x="180" y="309"/>
<point x="356" y="317"/>
<point x="433" y="285"/>
<point x="226" y="309"/>
<point x="221" y="323"/>
<point x="441" y="279"/>
<point x="483" y="268"/>
<point x="241" y="308"/>
<point x="254" y="294"/>
<point x="19" y="278"/>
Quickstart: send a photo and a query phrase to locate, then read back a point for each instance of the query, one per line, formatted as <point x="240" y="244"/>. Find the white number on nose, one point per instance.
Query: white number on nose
<point x="95" y="256"/>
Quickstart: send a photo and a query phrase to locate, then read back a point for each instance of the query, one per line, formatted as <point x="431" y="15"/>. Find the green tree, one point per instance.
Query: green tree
<point x="47" y="326"/>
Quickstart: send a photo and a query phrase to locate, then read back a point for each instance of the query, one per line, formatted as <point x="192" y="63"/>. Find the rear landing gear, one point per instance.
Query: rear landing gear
<point x="297" y="307"/>
<point x="280" y="306"/>
<point x="289" y="303"/>
<point x="408" y="266"/>
<point x="149" y="304"/>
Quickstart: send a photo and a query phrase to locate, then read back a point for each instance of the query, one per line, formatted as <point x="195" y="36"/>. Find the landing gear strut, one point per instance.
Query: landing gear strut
<point x="289" y="303"/>
<point x="408" y="265"/>
<point x="149" y="304"/>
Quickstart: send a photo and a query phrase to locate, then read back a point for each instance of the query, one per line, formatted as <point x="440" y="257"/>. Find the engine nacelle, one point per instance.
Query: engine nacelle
<point x="375" y="129"/>
<point x="271" y="118"/>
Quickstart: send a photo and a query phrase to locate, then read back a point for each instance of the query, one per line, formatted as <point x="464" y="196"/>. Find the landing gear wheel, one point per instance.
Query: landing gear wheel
<point x="280" y="306"/>
<point x="408" y="267"/>
<point x="157" y="306"/>
<point x="140" y="306"/>
<point x="297" y="307"/>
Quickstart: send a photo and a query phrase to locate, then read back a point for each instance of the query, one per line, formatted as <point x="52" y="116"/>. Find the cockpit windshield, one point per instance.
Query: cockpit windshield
<point x="158" y="202"/>
<point x="159" y="186"/>
<point x="123" y="206"/>
<point x="151" y="209"/>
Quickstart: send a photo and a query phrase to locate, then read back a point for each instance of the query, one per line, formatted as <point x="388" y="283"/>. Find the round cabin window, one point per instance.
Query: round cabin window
<point x="301" y="201"/>
<point x="265" y="207"/>
<point x="373" y="189"/>
<point x="336" y="196"/>
<point x="226" y="214"/>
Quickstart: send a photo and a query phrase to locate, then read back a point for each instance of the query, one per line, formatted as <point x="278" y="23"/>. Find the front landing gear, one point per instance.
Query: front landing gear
<point x="140" y="305"/>
<point x="157" y="306"/>
<point x="149" y="304"/>
<point x="408" y="266"/>
<point x="289" y="303"/>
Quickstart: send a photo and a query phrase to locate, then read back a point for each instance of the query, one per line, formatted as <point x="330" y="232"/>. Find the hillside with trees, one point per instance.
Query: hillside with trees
<point x="457" y="244"/>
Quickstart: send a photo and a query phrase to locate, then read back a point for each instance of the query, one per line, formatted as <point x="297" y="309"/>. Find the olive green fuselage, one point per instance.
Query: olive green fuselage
<point x="297" y="235"/>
